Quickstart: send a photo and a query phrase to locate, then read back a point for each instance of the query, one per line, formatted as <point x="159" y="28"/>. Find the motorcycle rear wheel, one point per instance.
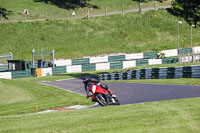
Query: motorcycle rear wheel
<point x="101" y="99"/>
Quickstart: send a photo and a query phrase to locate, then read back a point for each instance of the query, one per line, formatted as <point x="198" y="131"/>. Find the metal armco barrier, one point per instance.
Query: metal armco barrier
<point x="155" y="73"/>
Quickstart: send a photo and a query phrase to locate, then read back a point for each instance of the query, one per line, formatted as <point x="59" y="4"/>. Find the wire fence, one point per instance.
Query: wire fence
<point x="81" y="13"/>
<point x="189" y="58"/>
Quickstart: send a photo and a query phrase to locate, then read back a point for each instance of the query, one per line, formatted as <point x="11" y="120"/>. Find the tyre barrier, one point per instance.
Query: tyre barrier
<point x="155" y="73"/>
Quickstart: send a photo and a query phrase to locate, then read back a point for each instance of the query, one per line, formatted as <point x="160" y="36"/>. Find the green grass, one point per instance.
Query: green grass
<point x="177" y="116"/>
<point x="133" y="33"/>
<point x="38" y="9"/>
<point x="21" y="96"/>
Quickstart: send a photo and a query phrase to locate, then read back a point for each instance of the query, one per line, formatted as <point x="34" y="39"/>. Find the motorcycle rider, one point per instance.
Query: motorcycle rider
<point x="89" y="82"/>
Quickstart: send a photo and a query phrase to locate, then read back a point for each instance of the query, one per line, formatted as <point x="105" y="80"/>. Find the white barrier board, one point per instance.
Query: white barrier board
<point x="75" y="68"/>
<point x="196" y="50"/>
<point x="103" y="66"/>
<point x="63" y="62"/>
<point x="99" y="59"/>
<point x="128" y="64"/>
<point x="46" y="71"/>
<point x="5" y="75"/>
<point x="170" y="53"/>
<point x="134" y="56"/>
<point x="154" y="61"/>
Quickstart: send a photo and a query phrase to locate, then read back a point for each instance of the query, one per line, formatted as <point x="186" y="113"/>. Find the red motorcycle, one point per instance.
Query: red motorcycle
<point x="99" y="92"/>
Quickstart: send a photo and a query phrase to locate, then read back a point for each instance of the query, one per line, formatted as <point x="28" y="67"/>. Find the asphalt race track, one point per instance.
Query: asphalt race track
<point x="129" y="93"/>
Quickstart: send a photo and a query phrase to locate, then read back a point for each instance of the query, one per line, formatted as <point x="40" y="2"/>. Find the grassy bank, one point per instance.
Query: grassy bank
<point x="177" y="116"/>
<point x="38" y="10"/>
<point x="21" y="96"/>
<point x="154" y="30"/>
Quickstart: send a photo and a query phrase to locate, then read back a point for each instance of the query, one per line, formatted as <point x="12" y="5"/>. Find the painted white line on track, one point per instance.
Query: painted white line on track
<point x="58" y="80"/>
<point x="75" y="107"/>
<point x="64" y="79"/>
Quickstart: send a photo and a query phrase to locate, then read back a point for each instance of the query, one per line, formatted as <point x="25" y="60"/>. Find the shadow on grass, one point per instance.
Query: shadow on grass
<point x="68" y="4"/>
<point x="146" y="1"/>
<point x="4" y="12"/>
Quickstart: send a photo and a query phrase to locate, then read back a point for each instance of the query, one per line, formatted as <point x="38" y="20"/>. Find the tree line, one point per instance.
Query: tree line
<point x="188" y="9"/>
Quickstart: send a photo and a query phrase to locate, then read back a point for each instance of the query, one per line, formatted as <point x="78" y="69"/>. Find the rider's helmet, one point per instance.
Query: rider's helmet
<point x="104" y="86"/>
<point x="85" y="80"/>
<point x="93" y="79"/>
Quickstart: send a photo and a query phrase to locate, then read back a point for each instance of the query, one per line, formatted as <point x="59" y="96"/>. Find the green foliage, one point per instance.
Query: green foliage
<point x="66" y="4"/>
<point x="189" y="9"/>
<point x="4" y="12"/>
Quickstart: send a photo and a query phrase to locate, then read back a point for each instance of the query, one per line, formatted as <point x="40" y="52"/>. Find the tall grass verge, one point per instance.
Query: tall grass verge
<point x="149" y="31"/>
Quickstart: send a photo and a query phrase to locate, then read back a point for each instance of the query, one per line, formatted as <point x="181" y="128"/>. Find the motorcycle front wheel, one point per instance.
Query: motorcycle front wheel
<point x="116" y="101"/>
<point x="101" y="99"/>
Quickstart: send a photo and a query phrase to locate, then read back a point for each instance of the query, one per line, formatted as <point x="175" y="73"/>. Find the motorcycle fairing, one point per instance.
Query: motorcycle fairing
<point x="98" y="89"/>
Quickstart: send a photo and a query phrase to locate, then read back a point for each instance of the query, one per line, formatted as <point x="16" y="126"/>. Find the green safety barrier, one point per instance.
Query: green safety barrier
<point x="80" y="61"/>
<point x="33" y="72"/>
<point x="59" y="69"/>
<point x="150" y="55"/>
<point x="4" y="68"/>
<point x="46" y="65"/>
<point x="21" y="74"/>
<point x="116" y="58"/>
<point x="89" y="67"/>
<point x="141" y="62"/>
<point x="185" y="51"/>
<point x="169" y="60"/>
<point x="116" y="65"/>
